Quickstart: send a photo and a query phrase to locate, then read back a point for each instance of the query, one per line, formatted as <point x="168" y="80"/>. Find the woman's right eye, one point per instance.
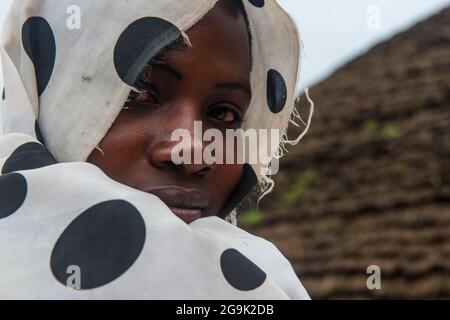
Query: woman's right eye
<point x="142" y="98"/>
<point x="145" y="96"/>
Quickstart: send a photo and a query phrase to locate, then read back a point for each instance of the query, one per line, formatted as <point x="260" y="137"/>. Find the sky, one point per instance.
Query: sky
<point x="334" y="32"/>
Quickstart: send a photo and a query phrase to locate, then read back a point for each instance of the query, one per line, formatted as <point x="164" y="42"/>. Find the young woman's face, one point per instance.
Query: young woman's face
<point x="209" y="82"/>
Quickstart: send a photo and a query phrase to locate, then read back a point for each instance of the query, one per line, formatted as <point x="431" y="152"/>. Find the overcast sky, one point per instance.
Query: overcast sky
<point x="334" y="32"/>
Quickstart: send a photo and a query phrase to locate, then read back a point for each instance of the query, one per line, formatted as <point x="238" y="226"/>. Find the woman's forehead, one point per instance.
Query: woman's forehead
<point x="220" y="39"/>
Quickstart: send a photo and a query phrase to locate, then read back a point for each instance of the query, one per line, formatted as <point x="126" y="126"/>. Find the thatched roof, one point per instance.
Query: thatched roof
<point x="370" y="184"/>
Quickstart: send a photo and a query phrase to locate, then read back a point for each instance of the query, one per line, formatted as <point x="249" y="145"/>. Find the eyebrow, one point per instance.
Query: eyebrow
<point x="235" y="86"/>
<point x="227" y="85"/>
<point x="162" y="64"/>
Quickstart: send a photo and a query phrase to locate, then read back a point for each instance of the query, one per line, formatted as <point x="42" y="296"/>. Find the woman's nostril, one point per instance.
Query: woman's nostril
<point x="203" y="172"/>
<point x="200" y="170"/>
<point x="176" y="167"/>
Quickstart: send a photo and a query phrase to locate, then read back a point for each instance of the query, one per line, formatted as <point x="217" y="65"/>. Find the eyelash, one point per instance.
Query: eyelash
<point x="132" y="102"/>
<point x="238" y="117"/>
<point x="134" y="94"/>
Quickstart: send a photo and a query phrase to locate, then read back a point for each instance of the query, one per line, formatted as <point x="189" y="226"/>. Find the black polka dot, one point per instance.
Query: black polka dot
<point x="13" y="191"/>
<point x="28" y="156"/>
<point x="104" y="242"/>
<point x="240" y="272"/>
<point x="276" y="91"/>
<point x="39" y="44"/>
<point x="245" y="185"/>
<point x="257" y="3"/>
<point x="139" y="43"/>
<point x="3" y="94"/>
<point x="39" y="136"/>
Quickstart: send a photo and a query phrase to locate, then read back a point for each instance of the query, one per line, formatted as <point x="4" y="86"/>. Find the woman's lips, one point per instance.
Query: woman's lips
<point x="187" y="215"/>
<point x="187" y="204"/>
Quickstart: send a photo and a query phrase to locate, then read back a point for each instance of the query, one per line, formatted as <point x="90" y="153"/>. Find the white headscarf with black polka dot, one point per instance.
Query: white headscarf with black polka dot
<point x="68" y="66"/>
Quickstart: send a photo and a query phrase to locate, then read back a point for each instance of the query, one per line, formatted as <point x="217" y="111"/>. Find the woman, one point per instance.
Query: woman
<point x="99" y="204"/>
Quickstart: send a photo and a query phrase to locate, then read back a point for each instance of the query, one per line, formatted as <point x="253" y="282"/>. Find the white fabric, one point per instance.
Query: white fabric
<point x="75" y="114"/>
<point x="177" y="261"/>
<point x="77" y="107"/>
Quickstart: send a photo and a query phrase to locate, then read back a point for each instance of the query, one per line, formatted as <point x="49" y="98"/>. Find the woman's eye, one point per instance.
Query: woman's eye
<point x="226" y="114"/>
<point x="144" y="97"/>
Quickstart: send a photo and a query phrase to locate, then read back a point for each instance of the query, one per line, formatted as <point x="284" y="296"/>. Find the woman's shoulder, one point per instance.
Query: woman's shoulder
<point x="258" y="250"/>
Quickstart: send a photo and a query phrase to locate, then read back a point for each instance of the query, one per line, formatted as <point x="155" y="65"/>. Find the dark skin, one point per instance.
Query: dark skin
<point x="208" y="82"/>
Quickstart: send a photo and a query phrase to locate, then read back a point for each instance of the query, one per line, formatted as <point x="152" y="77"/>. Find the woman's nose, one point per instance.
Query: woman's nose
<point x="185" y="153"/>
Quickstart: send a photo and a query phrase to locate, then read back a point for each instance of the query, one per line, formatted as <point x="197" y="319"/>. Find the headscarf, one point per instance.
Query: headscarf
<point x="68" y="67"/>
